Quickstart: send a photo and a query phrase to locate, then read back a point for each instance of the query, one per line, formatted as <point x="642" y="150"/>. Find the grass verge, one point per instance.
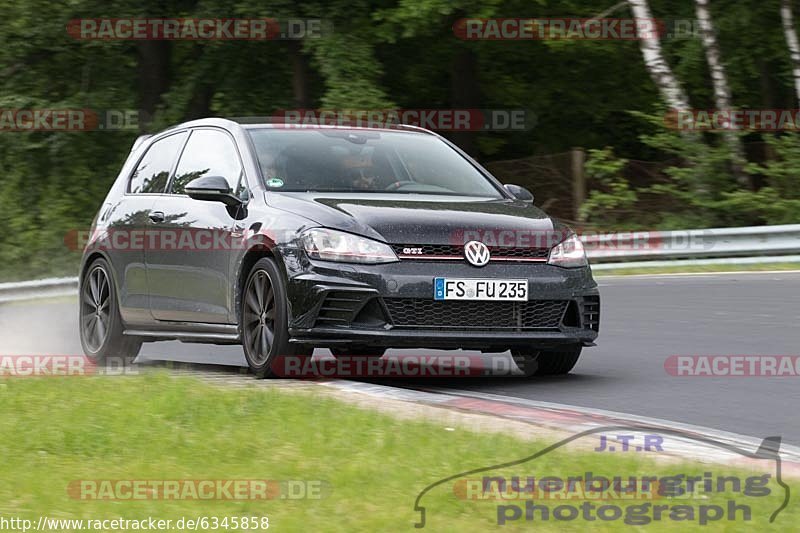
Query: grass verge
<point x="55" y="432"/>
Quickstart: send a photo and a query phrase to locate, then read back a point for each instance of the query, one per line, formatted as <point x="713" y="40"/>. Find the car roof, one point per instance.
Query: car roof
<point x="276" y="122"/>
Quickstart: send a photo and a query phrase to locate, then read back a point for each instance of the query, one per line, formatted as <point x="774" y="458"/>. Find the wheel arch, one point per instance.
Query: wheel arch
<point x="89" y="261"/>
<point x="252" y="256"/>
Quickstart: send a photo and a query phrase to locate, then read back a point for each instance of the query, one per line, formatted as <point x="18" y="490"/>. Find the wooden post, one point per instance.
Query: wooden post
<point x="578" y="158"/>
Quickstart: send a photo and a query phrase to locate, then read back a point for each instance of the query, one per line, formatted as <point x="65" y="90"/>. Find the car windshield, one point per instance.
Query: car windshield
<point x="349" y="160"/>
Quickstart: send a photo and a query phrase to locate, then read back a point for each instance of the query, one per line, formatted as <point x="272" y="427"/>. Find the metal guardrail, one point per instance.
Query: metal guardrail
<point x="41" y="288"/>
<point x="748" y="245"/>
<point x="693" y="244"/>
<point x="678" y="263"/>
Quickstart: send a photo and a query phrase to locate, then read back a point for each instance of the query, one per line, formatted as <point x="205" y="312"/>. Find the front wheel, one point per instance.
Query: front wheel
<point x="547" y="362"/>
<point x="264" y="322"/>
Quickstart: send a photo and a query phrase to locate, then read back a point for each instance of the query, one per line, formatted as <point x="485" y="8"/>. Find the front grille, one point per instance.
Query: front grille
<point x="431" y="249"/>
<point x="452" y="250"/>
<point x="520" y="253"/>
<point x="591" y="312"/>
<point x="423" y="313"/>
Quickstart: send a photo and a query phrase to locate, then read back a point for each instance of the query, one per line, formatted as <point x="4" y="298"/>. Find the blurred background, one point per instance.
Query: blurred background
<point x="599" y="149"/>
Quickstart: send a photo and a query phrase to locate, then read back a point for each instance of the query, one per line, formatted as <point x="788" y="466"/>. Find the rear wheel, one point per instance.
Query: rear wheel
<point x="547" y="362"/>
<point x="264" y="322"/>
<point x="101" y="327"/>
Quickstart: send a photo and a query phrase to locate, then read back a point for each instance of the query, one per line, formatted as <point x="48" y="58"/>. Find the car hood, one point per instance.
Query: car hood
<point x="421" y="219"/>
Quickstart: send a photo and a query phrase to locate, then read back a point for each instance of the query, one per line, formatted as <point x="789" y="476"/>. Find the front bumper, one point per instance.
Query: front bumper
<point x="392" y="306"/>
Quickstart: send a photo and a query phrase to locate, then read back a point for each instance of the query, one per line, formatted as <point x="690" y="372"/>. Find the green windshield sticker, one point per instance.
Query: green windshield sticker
<point x="274" y="182"/>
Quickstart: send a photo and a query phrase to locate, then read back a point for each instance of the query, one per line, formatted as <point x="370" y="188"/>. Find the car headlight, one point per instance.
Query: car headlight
<point x="569" y="254"/>
<point x="332" y="245"/>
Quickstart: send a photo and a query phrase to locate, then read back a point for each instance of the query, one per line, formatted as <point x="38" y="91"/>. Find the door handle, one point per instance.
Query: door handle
<point x="157" y="217"/>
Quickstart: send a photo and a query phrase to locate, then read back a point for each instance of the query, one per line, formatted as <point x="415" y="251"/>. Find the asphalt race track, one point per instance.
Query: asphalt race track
<point x="643" y="321"/>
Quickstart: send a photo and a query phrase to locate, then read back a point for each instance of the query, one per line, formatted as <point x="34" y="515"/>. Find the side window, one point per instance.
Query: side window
<point x="152" y="173"/>
<point x="208" y="153"/>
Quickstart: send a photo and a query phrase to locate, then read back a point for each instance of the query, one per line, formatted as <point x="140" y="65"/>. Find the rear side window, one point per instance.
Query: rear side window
<point x="208" y="153"/>
<point x="152" y="173"/>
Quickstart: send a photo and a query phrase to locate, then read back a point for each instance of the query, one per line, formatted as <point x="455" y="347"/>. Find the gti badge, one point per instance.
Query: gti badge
<point x="476" y="253"/>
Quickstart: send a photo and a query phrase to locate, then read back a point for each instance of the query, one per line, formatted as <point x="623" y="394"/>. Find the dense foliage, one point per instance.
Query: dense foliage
<point x="395" y="53"/>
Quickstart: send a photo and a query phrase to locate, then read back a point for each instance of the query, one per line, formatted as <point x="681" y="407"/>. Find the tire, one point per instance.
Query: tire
<point x="264" y="320"/>
<point x="100" y="324"/>
<point x="358" y="351"/>
<point x="547" y="362"/>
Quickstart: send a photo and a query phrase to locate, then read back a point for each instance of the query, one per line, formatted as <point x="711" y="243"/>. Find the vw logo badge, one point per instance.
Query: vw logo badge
<point x="476" y="253"/>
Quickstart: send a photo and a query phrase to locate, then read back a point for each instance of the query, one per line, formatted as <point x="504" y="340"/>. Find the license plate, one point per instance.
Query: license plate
<point x="513" y="290"/>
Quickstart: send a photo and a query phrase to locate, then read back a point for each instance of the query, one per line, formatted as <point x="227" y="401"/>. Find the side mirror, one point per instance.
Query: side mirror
<point x="212" y="189"/>
<point x="520" y="193"/>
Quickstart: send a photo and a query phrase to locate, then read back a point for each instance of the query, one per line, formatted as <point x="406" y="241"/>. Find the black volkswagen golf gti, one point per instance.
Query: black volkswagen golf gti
<point x="283" y="239"/>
